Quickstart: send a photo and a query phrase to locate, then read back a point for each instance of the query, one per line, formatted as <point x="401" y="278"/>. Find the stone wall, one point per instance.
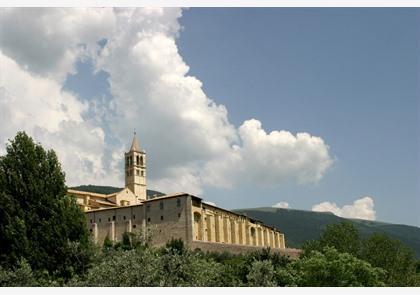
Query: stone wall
<point x="184" y="217"/>
<point x="238" y="249"/>
<point x="213" y="224"/>
<point x="160" y="219"/>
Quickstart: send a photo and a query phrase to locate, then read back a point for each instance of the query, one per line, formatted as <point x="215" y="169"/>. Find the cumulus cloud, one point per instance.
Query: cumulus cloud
<point x="54" y="117"/>
<point x="269" y="159"/>
<point x="188" y="137"/>
<point x="47" y="42"/>
<point x="362" y="208"/>
<point x="283" y="205"/>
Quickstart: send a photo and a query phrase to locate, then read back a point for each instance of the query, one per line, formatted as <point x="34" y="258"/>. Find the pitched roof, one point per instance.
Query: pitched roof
<point x="135" y="146"/>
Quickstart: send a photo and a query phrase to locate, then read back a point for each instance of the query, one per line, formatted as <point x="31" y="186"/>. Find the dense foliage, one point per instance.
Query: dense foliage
<point x="378" y="250"/>
<point x="44" y="242"/>
<point x="41" y="228"/>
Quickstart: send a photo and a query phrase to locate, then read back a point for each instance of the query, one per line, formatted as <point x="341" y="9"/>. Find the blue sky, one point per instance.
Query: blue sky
<point x="316" y="109"/>
<point x="350" y="76"/>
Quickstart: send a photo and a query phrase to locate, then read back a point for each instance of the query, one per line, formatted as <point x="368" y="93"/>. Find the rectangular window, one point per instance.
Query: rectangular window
<point x="113" y="217"/>
<point x="148" y="219"/>
<point x="142" y="173"/>
<point x="137" y="172"/>
<point x="109" y="219"/>
<point x="178" y="202"/>
<point x="99" y="220"/>
<point x="134" y="216"/>
<point x="134" y="226"/>
<point x="179" y="215"/>
<point x="91" y="221"/>
<point x="161" y="217"/>
<point x="161" y="205"/>
<point x="124" y="217"/>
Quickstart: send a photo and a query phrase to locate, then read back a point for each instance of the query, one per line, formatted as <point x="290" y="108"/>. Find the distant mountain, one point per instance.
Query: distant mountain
<point x="300" y="226"/>
<point x="111" y="189"/>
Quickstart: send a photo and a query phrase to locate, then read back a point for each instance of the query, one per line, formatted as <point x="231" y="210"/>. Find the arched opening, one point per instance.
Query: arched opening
<point x="253" y="236"/>
<point x="208" y="227"/>
<point x="225" y="230"/>
<point x="265" y="238"/>
<point x="233" y="231"/>
<point x="197" y="226"/>
<point x="137" y="160"/>
<point x="217" y="228"/>
<point x="141" y="161"/>
<point x="241" y="239"/>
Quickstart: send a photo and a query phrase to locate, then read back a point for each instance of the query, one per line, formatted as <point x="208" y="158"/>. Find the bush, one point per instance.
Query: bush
<point x="21" y="276"/>
<point x="261" y="274"/>
<point x="334" y="269"/>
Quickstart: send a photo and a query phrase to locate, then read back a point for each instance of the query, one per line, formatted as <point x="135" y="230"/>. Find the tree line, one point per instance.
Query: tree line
<point x="44" y="241"/>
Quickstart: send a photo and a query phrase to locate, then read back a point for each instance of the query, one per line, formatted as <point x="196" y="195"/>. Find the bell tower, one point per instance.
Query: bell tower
<point x="135" y="170"/>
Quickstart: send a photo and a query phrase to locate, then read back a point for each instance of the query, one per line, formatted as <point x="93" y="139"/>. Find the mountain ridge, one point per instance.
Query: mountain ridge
<point x="300" y="225"/>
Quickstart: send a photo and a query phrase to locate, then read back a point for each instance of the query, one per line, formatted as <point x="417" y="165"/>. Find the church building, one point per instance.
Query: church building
<point x="163" y="217"/>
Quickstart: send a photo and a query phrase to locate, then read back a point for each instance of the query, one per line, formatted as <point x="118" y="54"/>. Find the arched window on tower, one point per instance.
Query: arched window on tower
<point x="141" y="161"/>
<point x="137" y="160"/>
<point x="131" y="160"/>
<point x="127" y="161"/>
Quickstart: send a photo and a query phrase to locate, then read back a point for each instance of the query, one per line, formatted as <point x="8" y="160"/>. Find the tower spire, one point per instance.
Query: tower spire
<point x="135" y="146"/>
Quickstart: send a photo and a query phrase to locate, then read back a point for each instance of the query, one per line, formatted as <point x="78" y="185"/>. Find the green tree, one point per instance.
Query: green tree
<point x="334" y="269"/>
<point x="343" y="236"/>
<point x="38" y="222"/>
<point x="20" y="276"/>
<point x="261" y="274"/>
<point x="391" y="255"/>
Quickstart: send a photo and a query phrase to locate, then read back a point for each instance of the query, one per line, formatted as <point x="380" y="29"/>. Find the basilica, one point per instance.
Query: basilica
<point x="172" y="216"/>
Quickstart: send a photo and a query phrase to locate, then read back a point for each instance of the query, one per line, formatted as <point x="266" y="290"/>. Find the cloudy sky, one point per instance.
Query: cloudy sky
<point x="313" y="109"/>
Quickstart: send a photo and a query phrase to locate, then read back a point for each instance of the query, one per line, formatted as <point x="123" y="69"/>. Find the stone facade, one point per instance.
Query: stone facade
<point x="92" y="201"/>
<point x="186" y="217"/>
<point x="177" y="216"/>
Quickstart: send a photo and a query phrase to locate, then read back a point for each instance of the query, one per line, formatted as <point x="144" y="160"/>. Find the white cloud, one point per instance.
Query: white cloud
<point x="362" y="209"/>
<point x="54" y="117"/>
<point x="269" y="159"/>
<point x="283" y="205"/>
<point x="47" y="42"/>
<point x="188" y="137"/>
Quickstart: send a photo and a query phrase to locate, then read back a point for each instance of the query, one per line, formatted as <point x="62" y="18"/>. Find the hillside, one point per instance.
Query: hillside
<point x="300" y="226"/>
<point x="110" y="189"/>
